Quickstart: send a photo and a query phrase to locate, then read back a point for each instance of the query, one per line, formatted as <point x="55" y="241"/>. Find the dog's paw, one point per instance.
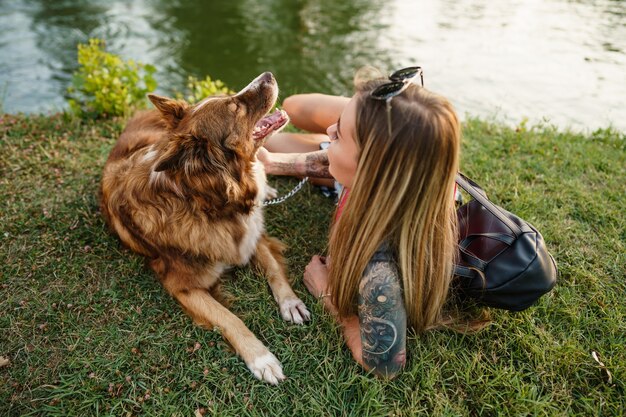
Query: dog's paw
<point x="267" y="368"/>
<point x="294" y="310"/>
<point x="270" y="192"/>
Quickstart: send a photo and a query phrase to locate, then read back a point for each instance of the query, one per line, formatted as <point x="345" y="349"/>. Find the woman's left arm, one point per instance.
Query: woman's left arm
<point x="377" y="336"/>
<point x="382" y="319"/>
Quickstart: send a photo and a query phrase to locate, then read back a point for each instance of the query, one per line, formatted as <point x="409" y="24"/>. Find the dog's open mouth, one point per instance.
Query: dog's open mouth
<point x="269" y="124"/>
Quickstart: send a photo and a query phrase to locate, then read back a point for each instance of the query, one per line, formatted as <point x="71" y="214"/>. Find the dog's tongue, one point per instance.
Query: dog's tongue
<point x="269" y="123"/>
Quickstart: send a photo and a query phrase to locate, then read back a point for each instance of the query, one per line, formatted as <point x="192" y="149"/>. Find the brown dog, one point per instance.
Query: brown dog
<point x="183" y="187"/>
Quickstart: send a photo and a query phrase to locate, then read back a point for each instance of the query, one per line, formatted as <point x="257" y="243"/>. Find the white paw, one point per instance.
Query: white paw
<point x="267" y="368"/>
<point x="270" y="192"/>
<point x="294" y="310"/>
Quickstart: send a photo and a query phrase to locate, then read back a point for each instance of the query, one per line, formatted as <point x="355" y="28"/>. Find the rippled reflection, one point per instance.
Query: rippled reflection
<point x="559" y="60"/>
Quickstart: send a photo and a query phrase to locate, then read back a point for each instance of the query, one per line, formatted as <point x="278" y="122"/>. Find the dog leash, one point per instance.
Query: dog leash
<point x="288" y="195"/>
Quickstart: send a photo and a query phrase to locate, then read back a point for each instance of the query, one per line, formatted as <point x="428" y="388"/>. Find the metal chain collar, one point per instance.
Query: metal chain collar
<point x="288" y="195"/>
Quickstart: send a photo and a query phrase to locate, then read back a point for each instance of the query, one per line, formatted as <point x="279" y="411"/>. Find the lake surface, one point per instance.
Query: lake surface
<point x="556" y="61"/>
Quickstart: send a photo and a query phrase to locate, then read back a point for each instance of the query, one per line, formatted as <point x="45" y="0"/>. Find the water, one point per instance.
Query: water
<point x="556" y="61"/>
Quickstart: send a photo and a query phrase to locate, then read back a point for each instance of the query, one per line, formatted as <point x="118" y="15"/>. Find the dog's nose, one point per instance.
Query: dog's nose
<point x="267" y="77"/>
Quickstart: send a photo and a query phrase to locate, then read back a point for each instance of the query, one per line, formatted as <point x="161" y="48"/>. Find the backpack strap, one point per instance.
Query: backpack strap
<point x="504" y="238"/>
<point x="475" y="191"/>
<point x="463" y="271"/>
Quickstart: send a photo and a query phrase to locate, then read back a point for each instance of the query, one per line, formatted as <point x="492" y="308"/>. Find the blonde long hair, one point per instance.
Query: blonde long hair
<point x="402" y="194"/>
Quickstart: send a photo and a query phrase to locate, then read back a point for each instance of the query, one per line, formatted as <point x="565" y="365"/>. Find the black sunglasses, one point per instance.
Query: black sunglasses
<point x="400" y="81"/>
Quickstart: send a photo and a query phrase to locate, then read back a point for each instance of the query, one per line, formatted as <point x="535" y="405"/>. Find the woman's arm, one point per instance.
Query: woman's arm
<point x="377" y="335"/>
<point x="382" y="319"/>
<point x="311" y="164"/>
<point x="316" y="281"/>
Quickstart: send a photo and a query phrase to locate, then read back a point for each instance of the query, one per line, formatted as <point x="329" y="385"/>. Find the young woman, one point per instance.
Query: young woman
<point x="395" y="149"/>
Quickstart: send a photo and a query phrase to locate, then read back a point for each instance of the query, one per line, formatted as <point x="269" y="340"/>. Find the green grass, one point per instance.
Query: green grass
<point x="88" y="331"/>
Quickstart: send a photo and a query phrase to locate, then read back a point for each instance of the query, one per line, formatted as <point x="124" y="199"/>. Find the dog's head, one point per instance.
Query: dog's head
<point x="219" y="130"/>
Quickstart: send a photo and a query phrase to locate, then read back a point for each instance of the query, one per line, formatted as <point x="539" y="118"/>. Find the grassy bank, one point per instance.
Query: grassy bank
<point x="88" y="331"/>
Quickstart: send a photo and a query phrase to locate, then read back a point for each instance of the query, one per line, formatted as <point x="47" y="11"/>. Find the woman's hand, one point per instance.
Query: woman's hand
<point x="316" y="276"/>
<point x="316" y="281"/>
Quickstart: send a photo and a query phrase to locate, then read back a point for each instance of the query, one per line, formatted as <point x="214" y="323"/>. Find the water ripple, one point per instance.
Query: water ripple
<point x="559" y="60"/>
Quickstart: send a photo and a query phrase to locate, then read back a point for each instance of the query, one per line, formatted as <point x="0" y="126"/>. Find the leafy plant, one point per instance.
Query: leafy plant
<point x="106" y="85"/>
<point x="198" y="90"/>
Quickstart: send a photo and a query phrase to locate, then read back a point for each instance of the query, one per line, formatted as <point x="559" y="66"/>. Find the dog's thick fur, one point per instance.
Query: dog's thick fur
<point x="182" y="187"/>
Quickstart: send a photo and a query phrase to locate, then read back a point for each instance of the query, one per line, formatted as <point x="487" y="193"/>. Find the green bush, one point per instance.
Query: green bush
<point x="197" y="90"/>
<point x="105" y="85"/>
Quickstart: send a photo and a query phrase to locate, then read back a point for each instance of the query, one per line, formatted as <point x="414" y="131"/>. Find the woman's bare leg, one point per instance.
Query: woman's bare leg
<point x="314" y="112"/>
<point x="294" y="142"/>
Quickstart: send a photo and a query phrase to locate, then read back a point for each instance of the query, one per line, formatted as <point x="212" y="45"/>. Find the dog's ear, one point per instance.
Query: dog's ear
<point x="172" y="110"/>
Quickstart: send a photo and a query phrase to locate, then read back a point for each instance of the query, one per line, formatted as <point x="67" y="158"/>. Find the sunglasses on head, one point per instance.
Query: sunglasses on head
<point x="400" y="81"/>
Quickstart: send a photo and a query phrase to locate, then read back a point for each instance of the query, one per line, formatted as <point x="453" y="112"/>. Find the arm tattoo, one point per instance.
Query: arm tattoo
<point x="382" y="319"/>
<point x="284" y="168"/>
<point x="312" y="164"/>
<point x="316" y="165"/>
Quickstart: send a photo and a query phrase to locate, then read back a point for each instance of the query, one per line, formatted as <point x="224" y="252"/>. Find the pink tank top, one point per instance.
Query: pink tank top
<point x="341" y="203"/>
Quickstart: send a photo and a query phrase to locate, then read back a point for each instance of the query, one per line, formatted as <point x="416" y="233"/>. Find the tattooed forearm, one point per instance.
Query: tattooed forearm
<point x="316" y="165"/>
<point x="312" y="164"/>
<point x="284" y="168"/>
<point x="382" y="318"/>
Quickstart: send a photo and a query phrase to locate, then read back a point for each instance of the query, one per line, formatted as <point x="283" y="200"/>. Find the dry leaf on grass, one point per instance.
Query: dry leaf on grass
<point x="4" y="361"/>
<point x="596" y="357"/>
